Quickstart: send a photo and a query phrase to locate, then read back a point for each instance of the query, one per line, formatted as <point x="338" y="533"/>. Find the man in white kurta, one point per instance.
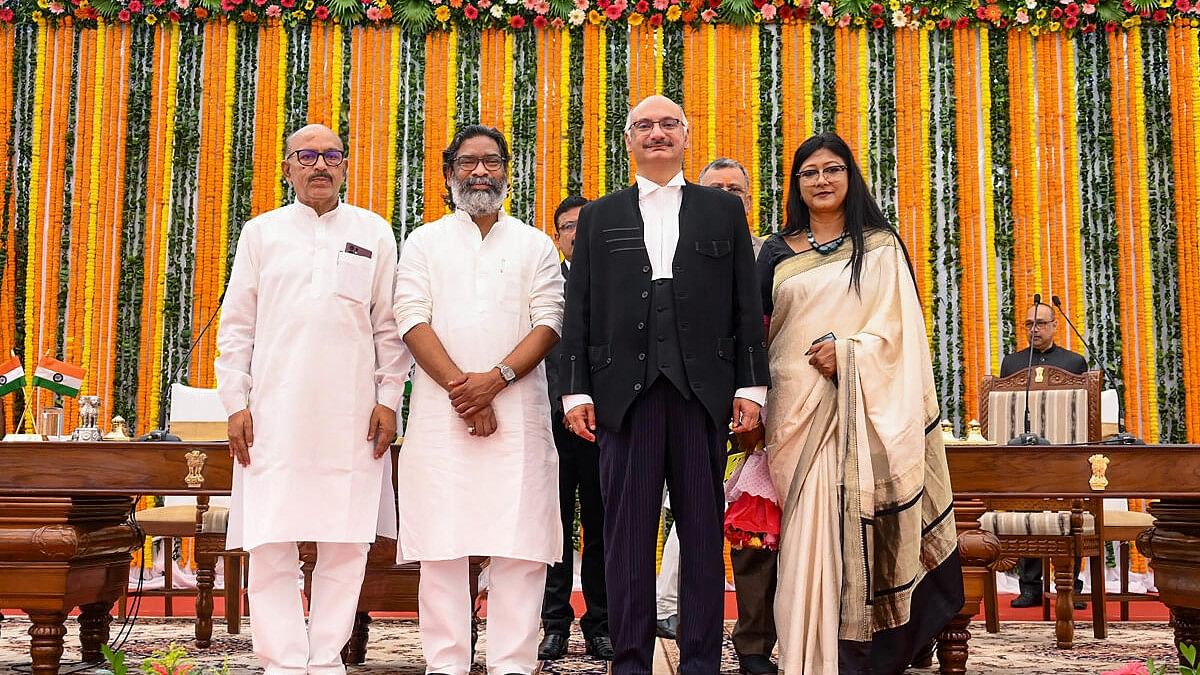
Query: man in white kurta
<point x="311" y="372"/>
<point x="479" y="299"/>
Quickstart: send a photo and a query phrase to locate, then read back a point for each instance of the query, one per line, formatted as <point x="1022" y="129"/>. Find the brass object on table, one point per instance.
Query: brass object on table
<point x="119" y="432"/>
<point x="948" y="432"/>
<point x="1099" y="480"/>
<point x="195" y="463"/>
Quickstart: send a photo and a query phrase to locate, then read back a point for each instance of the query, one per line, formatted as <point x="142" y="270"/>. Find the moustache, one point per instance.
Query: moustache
<point x="658" y="144"/>
<point x="482" y="180"/>
<point x="321" y="174"/>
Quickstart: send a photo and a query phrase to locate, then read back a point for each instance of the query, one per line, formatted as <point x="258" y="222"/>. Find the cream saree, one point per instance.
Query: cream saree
<point x="868" y="565"/>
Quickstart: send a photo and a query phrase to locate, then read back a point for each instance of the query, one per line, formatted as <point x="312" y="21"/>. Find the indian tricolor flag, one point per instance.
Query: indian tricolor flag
<point x="12" y="376"/>
<point x="57" y="376"/>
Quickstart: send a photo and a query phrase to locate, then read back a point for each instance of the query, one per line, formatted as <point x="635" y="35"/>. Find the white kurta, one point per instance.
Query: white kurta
<point x="460" y="494"/>
<point x="308" y="342"/>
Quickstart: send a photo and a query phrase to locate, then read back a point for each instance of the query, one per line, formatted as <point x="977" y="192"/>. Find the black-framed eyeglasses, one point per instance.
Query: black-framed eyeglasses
<point x="831" y="173"/>
<point x="667" y="124"/>
<point x="469" y="162"/>
<point x="1040" y="323"/>
<point x="308" y="157"/>
<point x="567" y="226"/>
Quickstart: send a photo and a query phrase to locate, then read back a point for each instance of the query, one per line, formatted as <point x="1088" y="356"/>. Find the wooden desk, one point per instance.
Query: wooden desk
<point x="1169" y="473"/>
<point x="65" y="535"/>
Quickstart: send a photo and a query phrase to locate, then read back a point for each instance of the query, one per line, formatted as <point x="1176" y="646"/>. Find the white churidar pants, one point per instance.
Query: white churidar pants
<point x="281" y="641"/>
<point x="513" y="615"/>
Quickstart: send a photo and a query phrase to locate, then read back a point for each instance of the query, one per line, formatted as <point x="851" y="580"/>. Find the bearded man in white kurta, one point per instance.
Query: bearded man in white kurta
<point x="311" y="371"/>
<point x="479" y="301"/>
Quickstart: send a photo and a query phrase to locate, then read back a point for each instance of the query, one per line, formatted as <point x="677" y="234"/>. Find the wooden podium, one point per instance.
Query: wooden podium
<point x="1169" y="473"/>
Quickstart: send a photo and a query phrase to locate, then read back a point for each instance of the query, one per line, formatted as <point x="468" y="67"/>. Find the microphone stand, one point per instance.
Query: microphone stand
<point x="160" y="433"/>
<point x="1122" y="437"/>
<point x="1030" y="438"/>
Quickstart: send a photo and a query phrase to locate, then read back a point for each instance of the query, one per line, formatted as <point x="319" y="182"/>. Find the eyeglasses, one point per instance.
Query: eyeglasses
<point x="729" y="187"/>
<point x="831" y="173"/>
<point x="309" y="157"/>
<point x="1040" y="323"/>
<point x="469" y="162"/>
<point x="667" y="124"/>
<point x="567" y="226"/>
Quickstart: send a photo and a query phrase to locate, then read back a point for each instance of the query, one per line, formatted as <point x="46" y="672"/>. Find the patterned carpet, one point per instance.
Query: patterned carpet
<point x="1020" y="647"/>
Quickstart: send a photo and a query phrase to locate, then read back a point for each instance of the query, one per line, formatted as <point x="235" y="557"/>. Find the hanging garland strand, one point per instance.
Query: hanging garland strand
<point x="617" y="108"/>
<point x="1002" y="187"/>
<point x="133" y="223"/>
<point x="524" y="123"/>
<point x="824" y="96"/>
<point x="1163" y="236"/>
<point x="770" y="138"/>
<point x="1098" y="204"/>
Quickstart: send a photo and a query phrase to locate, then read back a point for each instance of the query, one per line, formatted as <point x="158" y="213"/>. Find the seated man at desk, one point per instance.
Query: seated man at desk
<point x="1041" y="325"/>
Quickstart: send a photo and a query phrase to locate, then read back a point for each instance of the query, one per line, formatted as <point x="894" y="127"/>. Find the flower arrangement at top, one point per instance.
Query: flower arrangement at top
<point x="421" y="16"/>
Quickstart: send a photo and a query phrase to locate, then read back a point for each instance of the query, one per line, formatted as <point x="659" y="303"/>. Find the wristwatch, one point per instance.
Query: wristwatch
<point x="507" y="373"/>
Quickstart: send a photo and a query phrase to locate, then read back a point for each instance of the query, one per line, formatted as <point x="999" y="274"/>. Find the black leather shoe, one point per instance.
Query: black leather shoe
<point x="552" y="647"/>
<point x="756" y="664"/>
<point x="1027" y="600"/>
<point x="600" y="646"/>
<point x="668" y="627"/>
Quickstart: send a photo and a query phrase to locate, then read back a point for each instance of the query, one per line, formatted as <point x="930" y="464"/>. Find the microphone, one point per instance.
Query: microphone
<point x="161" y="433"/>
<point x="1122" y="437"/>
<point x="1030" y="438"/>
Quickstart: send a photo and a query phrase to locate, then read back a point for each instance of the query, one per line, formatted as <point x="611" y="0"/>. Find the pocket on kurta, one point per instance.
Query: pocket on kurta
<point x="353" y="280"/>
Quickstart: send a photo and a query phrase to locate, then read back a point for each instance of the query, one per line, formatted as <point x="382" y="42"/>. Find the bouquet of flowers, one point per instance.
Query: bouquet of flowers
<point x="752" y="519"/>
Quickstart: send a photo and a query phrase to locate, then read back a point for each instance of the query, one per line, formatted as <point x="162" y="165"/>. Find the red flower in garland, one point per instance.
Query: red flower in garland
<point x="539" y="22"/>
<point x="470" y="12"/>
<point x="226" y="5"/>
<point x="656" y="20"/>
<point x="1110" y="27"/>
<point x="877" y="23"/>
<point x="1183" y="5"/>
<point x="1160" y="15"/>
<point x="785" y="13"/>
<point x="613" y="12"/>
<point x="1070" y="22"/>
<point x="287" y="4"/>
<point x="135" y="6"/>
<point x="1073" y="9"/>
<point x="1056" y="14"/>
<point x="249" y="17"/>
<point x="322" y="12"/>
<point x="1088" y="28"/>
<point x="6" y="15"/>
<point x="943" y="24"/>
<point x="173" y="16"/>
<point x="876" y="9"/>
<point x="642" y="7"/>
<point x="516" y="22"/>
<point x="714" y="4"/>
<point x="124" y="16"/>
<point x="962" y="22"/>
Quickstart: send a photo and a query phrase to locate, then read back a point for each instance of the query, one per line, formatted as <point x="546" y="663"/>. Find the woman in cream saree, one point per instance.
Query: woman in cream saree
<point x="868" y="567"/>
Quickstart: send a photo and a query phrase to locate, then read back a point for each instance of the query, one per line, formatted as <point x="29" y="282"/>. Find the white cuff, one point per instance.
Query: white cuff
<point x="756" y="394"/>
<point x="572" y="401"/>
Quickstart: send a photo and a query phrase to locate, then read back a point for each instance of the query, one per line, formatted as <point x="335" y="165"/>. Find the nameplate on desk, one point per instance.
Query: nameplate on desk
<point x="22" y="438"/>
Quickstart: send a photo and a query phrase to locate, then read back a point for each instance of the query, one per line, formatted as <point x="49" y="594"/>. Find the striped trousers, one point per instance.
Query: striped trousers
<point x="664" y="437"/>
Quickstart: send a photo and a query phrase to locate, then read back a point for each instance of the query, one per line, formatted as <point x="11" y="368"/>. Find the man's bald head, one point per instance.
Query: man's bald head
<point x="656" y="102"/>
<point x="656" y="135"/>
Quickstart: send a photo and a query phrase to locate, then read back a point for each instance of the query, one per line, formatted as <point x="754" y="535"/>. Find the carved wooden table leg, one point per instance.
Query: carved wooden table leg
<point x="1173" y="546"/>
<point x="205" y="577"/>
<point x="1064" y="603"/>
<point x="94" y="620"/>
<point x="978" y="549"/>
<point x="355" y="651"/>
<point x="46" y="641"/>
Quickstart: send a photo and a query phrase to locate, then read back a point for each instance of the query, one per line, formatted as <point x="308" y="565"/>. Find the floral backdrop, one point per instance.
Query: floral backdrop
<point x="1020" y="147"/>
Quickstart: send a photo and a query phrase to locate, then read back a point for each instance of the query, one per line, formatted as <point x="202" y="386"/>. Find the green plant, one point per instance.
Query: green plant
<point x="171" y="661"/>
<point x="1188" y="665"/>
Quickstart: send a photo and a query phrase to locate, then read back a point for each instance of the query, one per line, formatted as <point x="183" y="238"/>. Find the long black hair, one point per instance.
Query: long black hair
<point x="451" y="151"/>
<point x="862" y="214"/>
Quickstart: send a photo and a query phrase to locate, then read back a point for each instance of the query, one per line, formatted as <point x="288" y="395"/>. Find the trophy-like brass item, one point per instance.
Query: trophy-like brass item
<point x="1099" y="480"/>
<point x="948" y="432"/>
<point x="975" y="434"/>
<point x="119" y="432"/>
<point x="195" y="463"/>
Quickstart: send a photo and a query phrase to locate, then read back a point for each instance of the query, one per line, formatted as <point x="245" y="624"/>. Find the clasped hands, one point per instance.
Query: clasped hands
<point x="471" y="395"/>
<point x="381" y="431"/>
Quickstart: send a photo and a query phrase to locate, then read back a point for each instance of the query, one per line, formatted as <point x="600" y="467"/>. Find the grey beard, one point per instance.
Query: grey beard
<point x="478" y="202"/>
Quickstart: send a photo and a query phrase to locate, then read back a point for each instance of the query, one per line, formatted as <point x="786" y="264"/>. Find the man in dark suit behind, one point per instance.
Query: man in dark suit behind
<point x="1041" y="324"/>
<point x="662" y="343"/>
<point x="578" y="469"/>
